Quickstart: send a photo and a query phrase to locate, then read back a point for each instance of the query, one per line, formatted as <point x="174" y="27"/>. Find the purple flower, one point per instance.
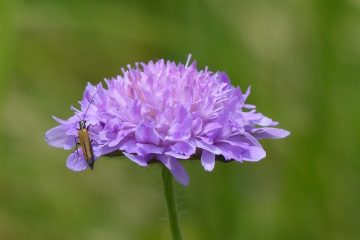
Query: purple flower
<point x="167" y="112"/>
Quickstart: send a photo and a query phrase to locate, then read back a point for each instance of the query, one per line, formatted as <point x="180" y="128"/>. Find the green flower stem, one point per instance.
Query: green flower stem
<point x="171" y="203"/>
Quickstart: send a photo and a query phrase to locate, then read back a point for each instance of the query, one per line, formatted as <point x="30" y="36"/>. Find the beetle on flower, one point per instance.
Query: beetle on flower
<point x="168" y="112"/>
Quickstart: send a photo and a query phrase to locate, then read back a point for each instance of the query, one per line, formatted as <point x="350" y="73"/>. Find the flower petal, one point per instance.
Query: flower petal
<point x="208" y="160"/>
<point x="209" y="147"/>
<point x="129" y="146"/>
<point x="236" y="141"/>
<point x="145" y="149"/>
<point x="121" y="134"/>
<point x="231" y="152"/>
<point x="142" y="161"/>
<point x="59" y="120"/>
<point x="197" y="126"/>
<point x="180" y="131"/>
<point x="177" y="155"/>
<point x="212" y="126"/>
<point x="57" y="137"/>
<point x="254" y="154"/>
<point x="184" y="148"/>
<point x="101" y="150"/>
<point x="146" y="133"/>
<point x="76" y="161"/>
<point x="175" y="168"/>
<point x="267" y="132"/>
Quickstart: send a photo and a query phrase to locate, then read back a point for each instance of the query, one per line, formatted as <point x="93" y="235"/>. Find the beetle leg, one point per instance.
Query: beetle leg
<point x="90" y="125"/>
<point x="76" y="148"/>
<point x="96" y="142"/>
<point x="76" y="144"/>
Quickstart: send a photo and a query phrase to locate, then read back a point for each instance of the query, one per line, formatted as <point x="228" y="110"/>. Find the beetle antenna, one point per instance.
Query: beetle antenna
<point x="92" y="99"/>
<point x="77" y="115"/>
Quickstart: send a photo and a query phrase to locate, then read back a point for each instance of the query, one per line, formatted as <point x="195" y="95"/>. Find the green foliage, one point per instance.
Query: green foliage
<point x="302" y="59"/>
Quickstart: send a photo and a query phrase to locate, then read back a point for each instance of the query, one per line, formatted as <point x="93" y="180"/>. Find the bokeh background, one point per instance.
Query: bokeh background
<point x="302" y="59"/>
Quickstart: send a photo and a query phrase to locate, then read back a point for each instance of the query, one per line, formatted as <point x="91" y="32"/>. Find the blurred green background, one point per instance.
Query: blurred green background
<point x="302" y="59"/>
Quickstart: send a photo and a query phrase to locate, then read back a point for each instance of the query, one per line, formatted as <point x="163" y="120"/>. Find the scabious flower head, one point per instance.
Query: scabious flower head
<point x="167" y="112"/>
